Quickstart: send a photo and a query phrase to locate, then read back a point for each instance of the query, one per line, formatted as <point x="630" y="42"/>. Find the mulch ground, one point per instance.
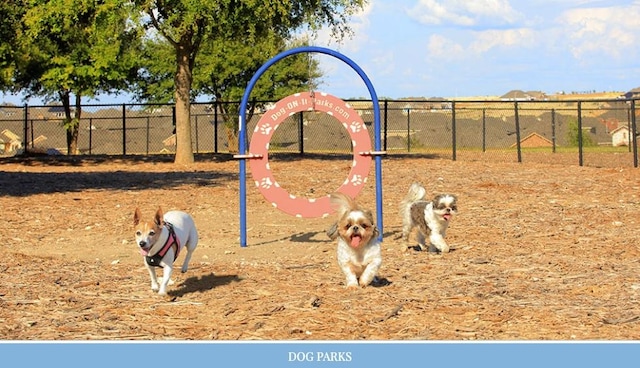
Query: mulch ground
<point x="540" y="252"/>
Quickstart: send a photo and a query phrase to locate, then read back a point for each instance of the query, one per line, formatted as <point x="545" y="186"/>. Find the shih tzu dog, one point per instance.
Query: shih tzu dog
<point x="430" y="217"/>
<point x="359" y="254"/>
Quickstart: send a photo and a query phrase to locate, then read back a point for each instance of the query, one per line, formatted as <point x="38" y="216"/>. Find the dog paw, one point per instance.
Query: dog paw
<point x="441" y="249"/>
<point x="432" y="249"/>
<point x="378" y="282"/>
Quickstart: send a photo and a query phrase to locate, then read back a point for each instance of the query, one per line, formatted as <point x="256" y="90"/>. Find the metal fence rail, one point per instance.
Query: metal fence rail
<point x="583" y="132"/>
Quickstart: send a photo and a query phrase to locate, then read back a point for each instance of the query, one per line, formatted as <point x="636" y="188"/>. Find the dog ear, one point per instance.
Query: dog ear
<point x="159" y="217"/>
<point x="341" y="203"/>
<point x="436" y="201"/>
<point x="376" y="232"/>
<point x="136" y="217"/>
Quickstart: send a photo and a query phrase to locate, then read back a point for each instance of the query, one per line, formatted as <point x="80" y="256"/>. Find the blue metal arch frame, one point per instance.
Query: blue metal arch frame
<point x="242" y="130"/>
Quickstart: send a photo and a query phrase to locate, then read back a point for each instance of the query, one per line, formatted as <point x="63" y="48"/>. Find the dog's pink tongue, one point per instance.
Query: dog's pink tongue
<point x="355" y="241"/>
<point x="144" y="252"/>
<point x="447" y="216"/>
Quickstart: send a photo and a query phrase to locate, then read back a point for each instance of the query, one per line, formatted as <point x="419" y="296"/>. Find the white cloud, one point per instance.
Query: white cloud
<point x="464" y="12"/>
<point x="510" y="38"/>
<point x="359" y="25"/>
<point x="443" y="48"/>
<point x="430" y="46"/>
<point x="601" y="32"/>
<point x="472" y="47"/>
<point x="384" y="63"/>
<point x="342" y="75"/>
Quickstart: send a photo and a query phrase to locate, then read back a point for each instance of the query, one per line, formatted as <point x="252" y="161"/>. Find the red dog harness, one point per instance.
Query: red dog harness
<point x="171" y="241"/>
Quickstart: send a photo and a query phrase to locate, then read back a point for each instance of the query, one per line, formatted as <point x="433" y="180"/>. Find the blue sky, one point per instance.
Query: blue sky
<point x="469" y="48"/>
<point x="458" y="48"/>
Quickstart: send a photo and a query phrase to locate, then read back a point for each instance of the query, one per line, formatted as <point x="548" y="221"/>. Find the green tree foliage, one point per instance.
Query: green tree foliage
<point x="230" y="67"/>
<point x="11" y="12"/>
<point x="573" y="137"/>
<point x="188" y="25"/>
<point x="227" y="67"/>
<point x="68" y="49"/>
<point x="223" y="70"/>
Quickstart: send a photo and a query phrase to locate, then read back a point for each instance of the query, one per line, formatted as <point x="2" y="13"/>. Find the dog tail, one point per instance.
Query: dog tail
<point x="416" y="193"/>
<point x="332" y="232"/>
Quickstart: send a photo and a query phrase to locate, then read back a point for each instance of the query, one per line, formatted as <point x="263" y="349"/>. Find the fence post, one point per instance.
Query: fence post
<point x="580" y="160"/>
<point x="215" y="126"/>
<point x="517" y="117"/>
<point x="408" y="130"/>
<point x="90" y="134"/>
<point x="300" y="135"/>
<point x="124" y="129"/>
<point x="32" y="134"/>
<point x="484" y="130"/>
<point x="386" y="107"/>
<point x="634" y="133"/>
<point x="173" y="121"/>
<point x="197" y="146"/>
<point x="25" y="128"/>
<point x="453" y="130"/>
<point x="631" y="136"/>
<point x="553" y="130"/>
<point x="148" y="134"/>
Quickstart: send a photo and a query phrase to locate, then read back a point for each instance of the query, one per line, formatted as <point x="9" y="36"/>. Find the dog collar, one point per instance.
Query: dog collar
<point x="172" y="240"/>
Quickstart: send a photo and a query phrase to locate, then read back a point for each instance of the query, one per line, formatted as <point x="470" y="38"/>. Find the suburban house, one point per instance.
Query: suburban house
<point x="534" y="140"/>
<point x="634" y="93"/>
<point x="620" y="136"/>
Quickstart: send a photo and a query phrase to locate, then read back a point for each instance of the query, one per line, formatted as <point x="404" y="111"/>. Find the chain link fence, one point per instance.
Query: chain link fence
<point x="583" y="132"/>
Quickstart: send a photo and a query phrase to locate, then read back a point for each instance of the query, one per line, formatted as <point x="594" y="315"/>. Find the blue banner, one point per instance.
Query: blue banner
<point x="319" y="354"/>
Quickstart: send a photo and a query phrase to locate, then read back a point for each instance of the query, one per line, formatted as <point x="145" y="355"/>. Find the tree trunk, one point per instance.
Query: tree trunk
<point x="71" y="123"/>
<point x="75" y="127"/>
<point x="232" y="139"/>
<point x="183" y="80"/>
<point x="230" y="113"/>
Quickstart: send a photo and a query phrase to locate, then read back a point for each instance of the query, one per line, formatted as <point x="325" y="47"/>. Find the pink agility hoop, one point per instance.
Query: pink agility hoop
<point x="259" y="152"/>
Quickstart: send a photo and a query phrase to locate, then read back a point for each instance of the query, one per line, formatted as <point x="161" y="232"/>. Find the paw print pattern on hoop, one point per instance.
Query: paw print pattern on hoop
<point x="259" y="146"/>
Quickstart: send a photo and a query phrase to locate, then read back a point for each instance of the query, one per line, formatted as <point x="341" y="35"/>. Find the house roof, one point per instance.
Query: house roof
<point x="515" y="94"/>
<point x="620" y="128"/>
<point x="534" y="135"/>
<point x="632" y="93"/>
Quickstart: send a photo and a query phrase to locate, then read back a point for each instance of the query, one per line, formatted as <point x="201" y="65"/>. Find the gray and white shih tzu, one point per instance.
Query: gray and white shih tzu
<point x="430" y="217"/>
